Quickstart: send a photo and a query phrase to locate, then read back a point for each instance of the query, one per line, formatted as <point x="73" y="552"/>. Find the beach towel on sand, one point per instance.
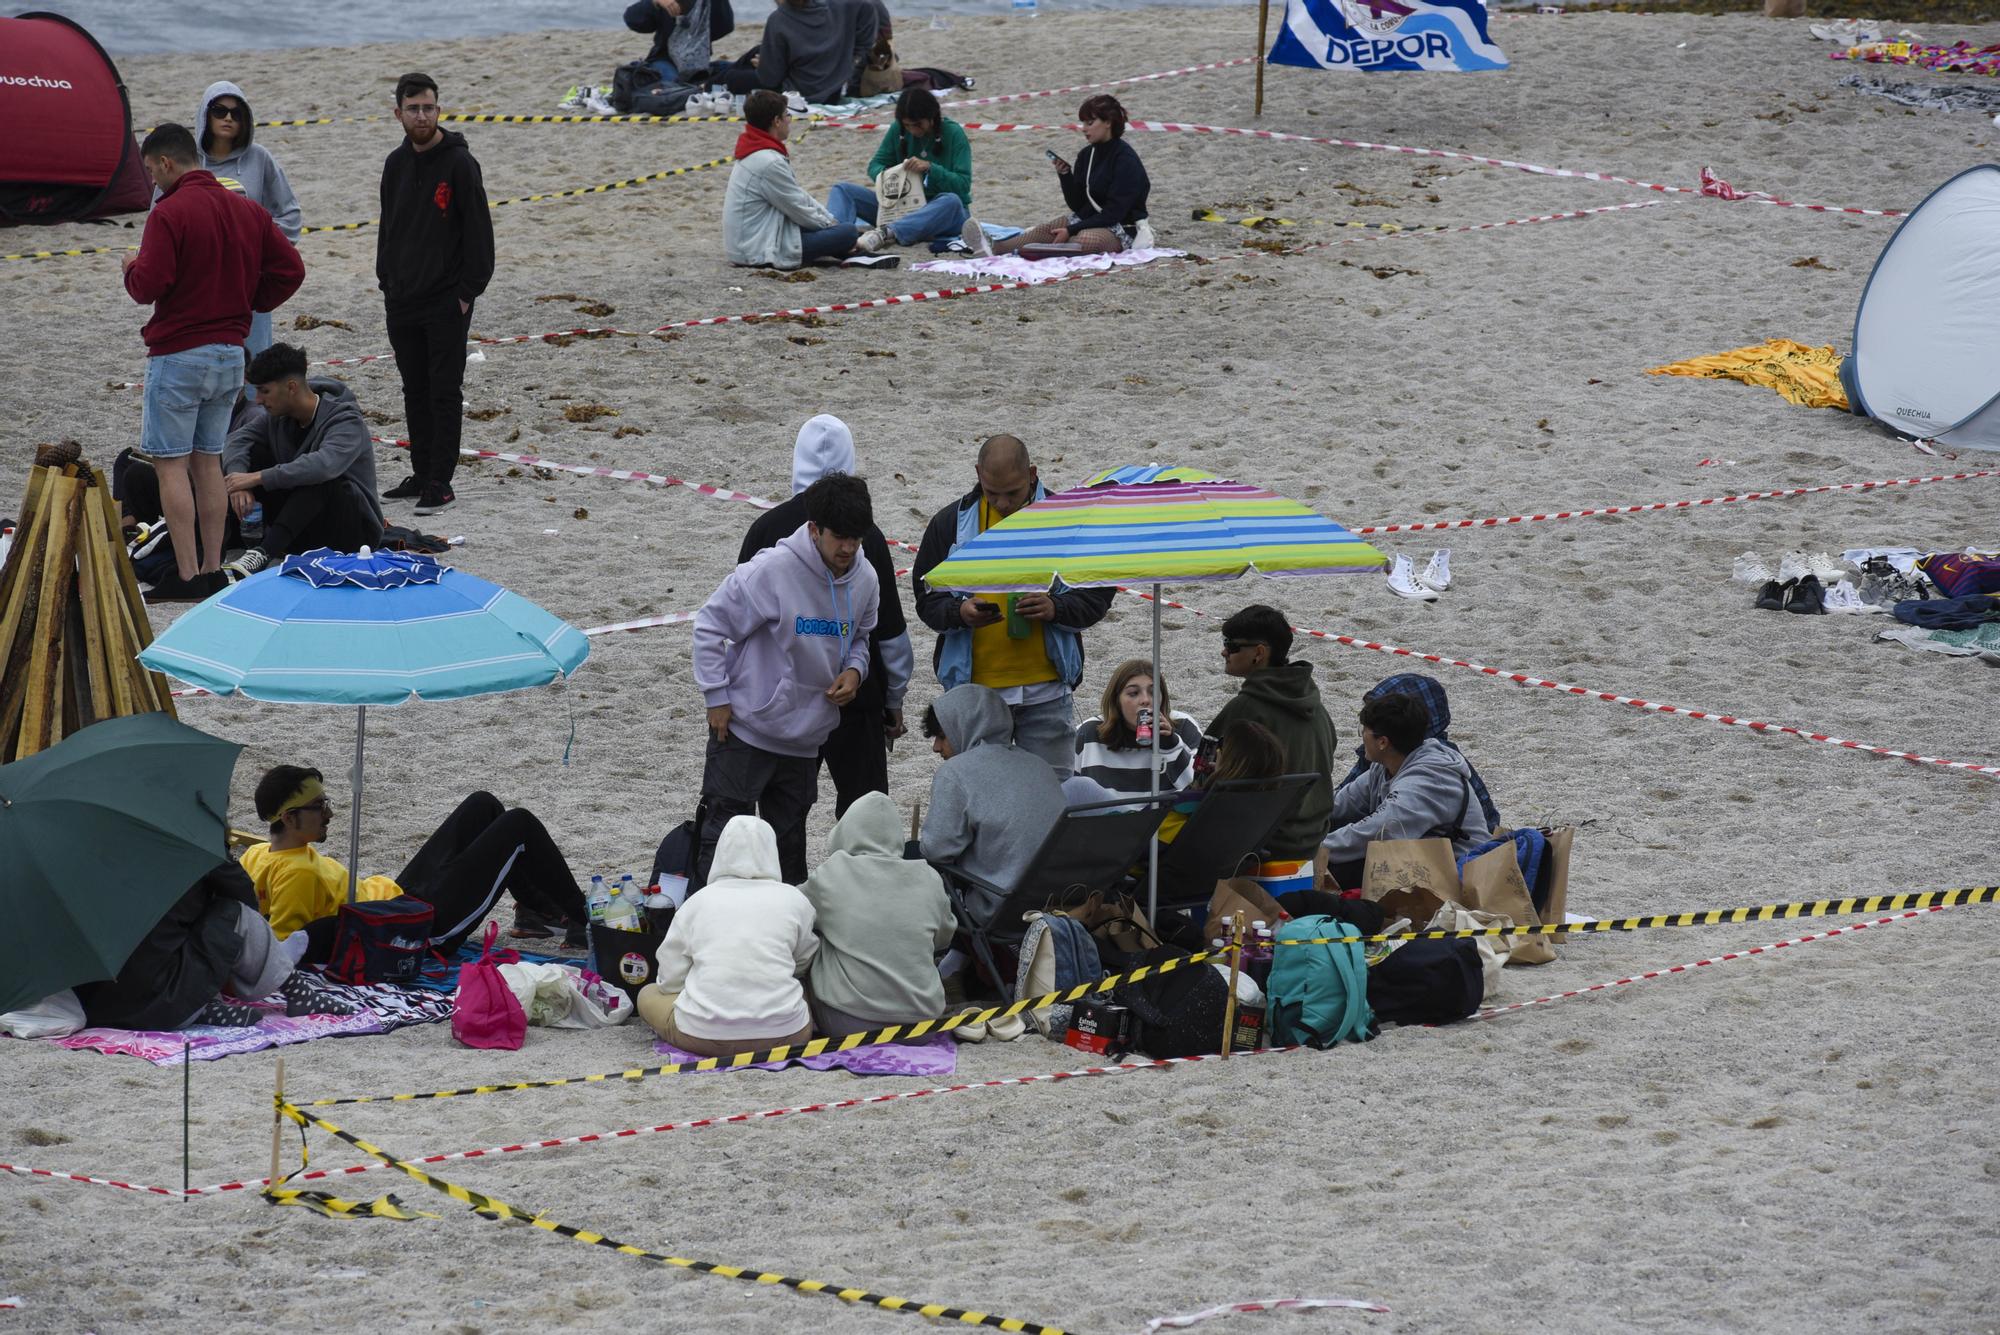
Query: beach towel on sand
<point x="1041" y="271"/>
<point x="386" y="1007"/>
<point x="1806" y="376"/>
<point x="936" y="1055"/>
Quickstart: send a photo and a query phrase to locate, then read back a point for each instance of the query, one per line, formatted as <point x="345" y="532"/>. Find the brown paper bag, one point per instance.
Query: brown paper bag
<point x="1491" y="883"/>
<point x="1239" y="894"/>
<point x="1560" y="842"/>
<point x="1410" y="878"/>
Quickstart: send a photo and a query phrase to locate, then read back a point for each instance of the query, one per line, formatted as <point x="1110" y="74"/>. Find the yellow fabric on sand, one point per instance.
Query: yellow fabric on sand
<point x="998" y="659"/>
<point x="1805" y="375"/>
<point x="296" y="886"/>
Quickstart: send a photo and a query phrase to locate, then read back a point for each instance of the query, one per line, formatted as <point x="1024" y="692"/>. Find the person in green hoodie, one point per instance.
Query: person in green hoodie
<point x="1281" y="696"/>
<point x="926" y="144"/>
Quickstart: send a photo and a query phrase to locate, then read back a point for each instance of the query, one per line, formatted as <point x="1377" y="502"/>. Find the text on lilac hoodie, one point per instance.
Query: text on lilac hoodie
<point x="769" y="642"/>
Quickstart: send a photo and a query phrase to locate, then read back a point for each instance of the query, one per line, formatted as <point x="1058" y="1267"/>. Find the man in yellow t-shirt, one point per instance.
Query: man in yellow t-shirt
<point x="1027" y="646"/>
<point x="481" y="849"/>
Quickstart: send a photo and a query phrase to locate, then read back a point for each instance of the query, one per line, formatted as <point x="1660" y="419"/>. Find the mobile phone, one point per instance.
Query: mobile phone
<point x="1050" y="154"/>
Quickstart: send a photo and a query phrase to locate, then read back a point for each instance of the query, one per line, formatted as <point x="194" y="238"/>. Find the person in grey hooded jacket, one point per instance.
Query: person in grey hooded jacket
<point x="768" y="219"/>
<point x="224" y="133"/>
<point x="882" y="920"/>
<point x="1415" y="787"/>
<point x="303" y="452"/>
<point x="992" y="803"/>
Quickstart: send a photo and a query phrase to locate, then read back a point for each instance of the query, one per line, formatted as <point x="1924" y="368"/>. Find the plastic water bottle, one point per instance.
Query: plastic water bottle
<point x="600" y="900"/>
<point x="1026" y="9"/>
<point x="1143" y="734"/>
<point x="630" y="906"/>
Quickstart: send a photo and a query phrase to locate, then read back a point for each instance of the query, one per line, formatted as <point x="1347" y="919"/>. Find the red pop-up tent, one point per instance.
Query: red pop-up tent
<point x="67" y="153"/>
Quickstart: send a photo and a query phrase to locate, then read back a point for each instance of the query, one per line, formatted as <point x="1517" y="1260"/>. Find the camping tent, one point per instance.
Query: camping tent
<point x="1926" y="358"/>
<point x="68" y="152"/>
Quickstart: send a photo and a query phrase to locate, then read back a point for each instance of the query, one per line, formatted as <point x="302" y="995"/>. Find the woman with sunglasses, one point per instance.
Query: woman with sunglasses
<point x="1105" y="189"/>
<point x="224" y="135"/>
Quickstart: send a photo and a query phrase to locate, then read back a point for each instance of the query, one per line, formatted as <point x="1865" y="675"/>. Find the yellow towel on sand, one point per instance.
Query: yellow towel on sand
<point x="1804" y="375"/>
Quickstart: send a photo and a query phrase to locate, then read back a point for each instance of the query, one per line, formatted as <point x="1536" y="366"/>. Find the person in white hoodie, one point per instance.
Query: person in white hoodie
<point x="768" y="219"/>
<point x="779" y="650"/>
<point x="224" y="135"/>
<point x="728" y="979"/>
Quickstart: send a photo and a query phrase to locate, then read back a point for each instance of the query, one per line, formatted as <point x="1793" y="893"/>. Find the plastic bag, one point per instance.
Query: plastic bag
<point x="485" y="1013"/>
<point x="561" y="996"/>
<point x="56" y="1016"/>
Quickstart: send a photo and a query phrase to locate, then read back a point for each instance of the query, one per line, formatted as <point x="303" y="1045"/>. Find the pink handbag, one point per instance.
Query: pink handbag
<point x="485" y="1013"/>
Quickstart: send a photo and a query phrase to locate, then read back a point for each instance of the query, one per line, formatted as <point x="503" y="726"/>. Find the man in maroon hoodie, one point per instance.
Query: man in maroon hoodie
<point x="209" y="257"/>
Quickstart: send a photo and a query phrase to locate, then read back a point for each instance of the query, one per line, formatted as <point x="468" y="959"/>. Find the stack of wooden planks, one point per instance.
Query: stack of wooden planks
<point x="72" y="621"/>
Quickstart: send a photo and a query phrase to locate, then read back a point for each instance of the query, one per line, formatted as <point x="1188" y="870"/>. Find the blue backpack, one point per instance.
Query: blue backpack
<point x="1317" y="995"/>
<point x="1072" y="955"/>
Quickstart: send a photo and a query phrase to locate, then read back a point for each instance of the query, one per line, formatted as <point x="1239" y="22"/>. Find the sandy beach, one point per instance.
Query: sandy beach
<point x="1802" y="1142"/>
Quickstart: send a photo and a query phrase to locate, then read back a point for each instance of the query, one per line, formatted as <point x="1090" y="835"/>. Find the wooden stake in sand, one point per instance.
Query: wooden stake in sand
<point x="277" y="1121"/>
<point x="1235" y="969"/>
<point x="1263" y="25"/>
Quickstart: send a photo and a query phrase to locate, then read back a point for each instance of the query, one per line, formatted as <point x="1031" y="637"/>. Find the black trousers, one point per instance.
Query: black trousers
<point x="856" y="755"/>
<point x="742" y="780"/>
<point x="430" y="356"/>
<point x="481" y="849"/>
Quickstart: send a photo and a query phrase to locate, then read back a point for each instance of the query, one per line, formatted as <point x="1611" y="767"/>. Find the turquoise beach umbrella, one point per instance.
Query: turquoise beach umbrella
<point x="371" y="628"/>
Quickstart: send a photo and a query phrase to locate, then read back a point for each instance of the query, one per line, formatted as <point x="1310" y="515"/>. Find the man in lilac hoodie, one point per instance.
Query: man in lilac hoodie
<point x="779" y="649"/>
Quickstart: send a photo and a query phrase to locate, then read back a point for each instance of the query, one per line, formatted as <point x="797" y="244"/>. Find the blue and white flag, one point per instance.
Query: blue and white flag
<point x="1372" y="35"/>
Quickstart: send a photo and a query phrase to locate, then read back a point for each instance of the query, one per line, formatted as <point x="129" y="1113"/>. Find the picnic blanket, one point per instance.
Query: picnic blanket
<point x="1958" y="58"/>
<point x="1929" y="97"/>
<point x="936" y="1055"/>
<point x="386" y="1007"/>
<point x="1804" y="375"/>
<point x="1041" y="271"/>
<point x="441" y="975"/>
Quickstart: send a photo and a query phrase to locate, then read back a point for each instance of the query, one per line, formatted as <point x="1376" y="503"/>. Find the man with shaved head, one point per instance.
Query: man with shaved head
<point x="1026" y="646"/>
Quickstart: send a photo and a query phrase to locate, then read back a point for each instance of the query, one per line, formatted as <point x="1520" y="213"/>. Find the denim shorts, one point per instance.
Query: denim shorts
<point x="188" y="400"/>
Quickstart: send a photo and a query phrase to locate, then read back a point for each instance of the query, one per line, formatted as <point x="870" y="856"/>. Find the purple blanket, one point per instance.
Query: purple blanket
<point x="387" y="1007"/>
<point x="936" y="1055"/>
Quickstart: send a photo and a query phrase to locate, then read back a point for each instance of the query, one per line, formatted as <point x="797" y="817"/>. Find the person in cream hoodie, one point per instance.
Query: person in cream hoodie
<point x="728" y="979"/>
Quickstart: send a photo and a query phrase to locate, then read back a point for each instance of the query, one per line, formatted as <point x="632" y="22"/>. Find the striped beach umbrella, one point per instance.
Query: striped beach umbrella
<point x="1148" y="524"/>
<point x="370" y="628"/>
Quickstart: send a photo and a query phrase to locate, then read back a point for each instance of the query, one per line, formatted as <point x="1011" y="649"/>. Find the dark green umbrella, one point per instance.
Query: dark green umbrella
<point x="99" y="835"/>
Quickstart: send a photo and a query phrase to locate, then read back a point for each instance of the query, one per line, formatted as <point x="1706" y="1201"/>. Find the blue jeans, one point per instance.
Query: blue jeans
<point x="666" y="69"/>
<point x="816" y="243"/>
<point x="260" y="334"/>
<point x="943" y="216"/>
<point x="1049" y="731"/>
<point x="188" y="398"/>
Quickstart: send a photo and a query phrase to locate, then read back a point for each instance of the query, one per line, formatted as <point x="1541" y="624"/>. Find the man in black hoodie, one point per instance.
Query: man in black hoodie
<point x="433" y="258"/>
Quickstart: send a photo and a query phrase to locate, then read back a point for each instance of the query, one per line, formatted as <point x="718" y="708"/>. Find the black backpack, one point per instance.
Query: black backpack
<point x="1427" y="982"/>
<point x="1177" y="1014"/>
<point x="381" y="941"/>
<point x="638" y="89"/>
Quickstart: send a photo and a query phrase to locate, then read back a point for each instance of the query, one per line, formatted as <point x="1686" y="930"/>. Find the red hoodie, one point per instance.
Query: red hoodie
<point x="208" y="258"/>
<point x="754" y="140"/>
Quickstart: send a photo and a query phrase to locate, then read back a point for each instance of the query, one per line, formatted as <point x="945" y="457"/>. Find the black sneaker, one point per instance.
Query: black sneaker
<point x="1807" y="596"/>
<point x="404" y="490"/>
<point x="435" y="497"/>
<point x="1772" y="596"/>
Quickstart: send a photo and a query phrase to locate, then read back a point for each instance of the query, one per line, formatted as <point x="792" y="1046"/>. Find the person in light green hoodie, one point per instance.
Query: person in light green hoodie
<point x="924" y="142"/>
<point x="882" y="920"/>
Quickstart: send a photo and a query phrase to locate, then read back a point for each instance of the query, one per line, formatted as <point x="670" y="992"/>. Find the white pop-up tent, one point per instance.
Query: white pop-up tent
<point x="1926" y="359"/>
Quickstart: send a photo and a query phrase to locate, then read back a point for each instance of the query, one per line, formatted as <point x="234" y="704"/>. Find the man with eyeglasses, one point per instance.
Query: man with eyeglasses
<point x="433" y="259"/>
<point x="1282" y="696"/>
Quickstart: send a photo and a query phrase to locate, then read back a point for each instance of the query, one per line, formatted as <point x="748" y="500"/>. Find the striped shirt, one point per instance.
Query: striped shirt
<point x="1121" y="770"/>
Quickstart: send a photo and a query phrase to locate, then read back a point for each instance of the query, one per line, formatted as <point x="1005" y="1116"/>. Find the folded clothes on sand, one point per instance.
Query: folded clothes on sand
<point x="1805" y="375"/>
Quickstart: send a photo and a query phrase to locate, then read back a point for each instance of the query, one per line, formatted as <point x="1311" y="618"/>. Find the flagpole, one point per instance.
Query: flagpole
<point x="1263" y="23"/>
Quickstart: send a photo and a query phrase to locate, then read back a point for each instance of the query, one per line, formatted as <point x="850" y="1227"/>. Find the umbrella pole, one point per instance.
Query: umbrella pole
<point x="1153" y="770"/>
<point x="187" y="1097"/>
<point x="354" y="817"/>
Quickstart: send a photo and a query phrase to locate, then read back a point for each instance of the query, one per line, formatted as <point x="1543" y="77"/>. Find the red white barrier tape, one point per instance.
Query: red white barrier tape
<point x="1710" y="186"/>
<point x="1702" y="964"/>
<point x="1610" y="697"/>
<point x="1675" y="505"/>
<point x="1160" y="1323"/>
<point x="57" y="1176"/>
<point x="592" y="470"/>
<point x="1109" y="83"/>
<point x="643" y="623"/>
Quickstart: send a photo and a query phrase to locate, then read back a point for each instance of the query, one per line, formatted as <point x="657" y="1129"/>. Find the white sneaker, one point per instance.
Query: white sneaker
<point x="1792" y="565"/>
<point x="1436" y="574"/>
<point x="1846" y="599"/>
<point x="974" y="237"/>
<point x="572" y="100"/>
<point x="1749" y="568"/>
<point x="872" y="240"/>
<point x="1403" y="581"/>
<point x="1826" y="569"/>
<point x="597" y="103"/>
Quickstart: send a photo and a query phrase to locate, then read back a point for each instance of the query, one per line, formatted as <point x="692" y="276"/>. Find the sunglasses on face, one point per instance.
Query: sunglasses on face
<point x="1238" y="646"/>
<point x="322" y="807"/>
<point x="222" y="113"/>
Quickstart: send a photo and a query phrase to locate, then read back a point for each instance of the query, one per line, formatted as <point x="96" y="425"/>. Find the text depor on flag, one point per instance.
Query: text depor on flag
<point x="1376" y="35"/>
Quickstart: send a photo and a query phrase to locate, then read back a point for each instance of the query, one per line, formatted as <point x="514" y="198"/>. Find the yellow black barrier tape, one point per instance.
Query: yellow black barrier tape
<point x="385" y="1206"/>
<point x="358" y="226"/>
<point x="1816" y="908"/>
<point x="492" y="1208"/>
<point x="1260" y="222"/>
<point x="813" y="1048"/>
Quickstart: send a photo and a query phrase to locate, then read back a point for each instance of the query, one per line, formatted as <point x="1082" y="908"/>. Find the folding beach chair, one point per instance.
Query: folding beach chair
<point x="1230" y="823"/>
<point x="1091" y="847"/>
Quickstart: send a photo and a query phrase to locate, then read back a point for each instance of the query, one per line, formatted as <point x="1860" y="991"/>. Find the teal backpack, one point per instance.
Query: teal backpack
<point x="1318" y="995"/>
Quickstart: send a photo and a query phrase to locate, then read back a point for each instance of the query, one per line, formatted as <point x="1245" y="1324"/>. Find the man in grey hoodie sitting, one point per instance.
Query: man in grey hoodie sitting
<point x="304" y="452"/>
<point x="1415" y="787"/>
<point x="779" y="650"/>
<point x="992" y="803"/>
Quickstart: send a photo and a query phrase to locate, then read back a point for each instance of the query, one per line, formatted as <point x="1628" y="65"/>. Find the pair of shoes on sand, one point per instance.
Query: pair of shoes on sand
<point x="1804" y="594"/>
<point x="1406" y="581"/>
<point x="1749" y="568"/>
